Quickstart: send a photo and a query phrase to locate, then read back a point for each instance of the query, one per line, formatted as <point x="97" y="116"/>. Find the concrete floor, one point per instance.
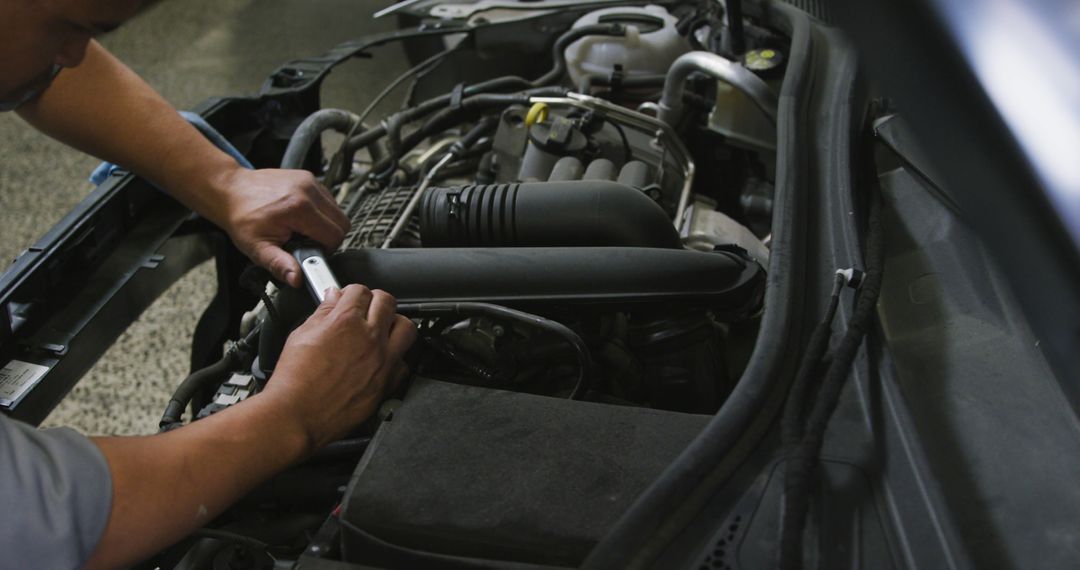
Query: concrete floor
<point x="189" y="51"/>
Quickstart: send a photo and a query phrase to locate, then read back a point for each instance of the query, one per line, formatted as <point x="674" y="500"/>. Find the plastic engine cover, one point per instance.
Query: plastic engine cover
<point x="482" y="473"/>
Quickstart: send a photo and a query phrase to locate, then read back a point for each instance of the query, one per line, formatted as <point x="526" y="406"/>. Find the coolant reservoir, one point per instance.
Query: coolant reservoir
<point x="649" y="47"/>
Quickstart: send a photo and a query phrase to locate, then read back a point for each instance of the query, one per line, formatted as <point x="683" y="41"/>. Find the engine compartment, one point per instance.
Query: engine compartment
<point x="564" y="199"/>
<point x="585" y="256"/>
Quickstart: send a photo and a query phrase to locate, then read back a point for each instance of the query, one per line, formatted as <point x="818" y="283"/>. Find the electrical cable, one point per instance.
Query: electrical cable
<point x="448" y="117"/>
<point x="340" y="155"/>
<point x="235" y="358"/>
<point x="581" y="350"/>
<point x="802" y="456"/>
<point x="399" y="80"/>
<point x="588" y="81"/>
<point x="457" y="150"/>
<point x="366" y="138"/>
<point x="414" y="201"/>
<point x="254" y="278"/>
<point x="448" y="351"/>
<point x="628" y="154"/>
<point x="735" y="25"/>
<point x="558" y="49"/>
<point x="341" y="448"/>
<point x="809" y="368"/>
<point x="231" y="537"/>
<point x="361" y="140"/>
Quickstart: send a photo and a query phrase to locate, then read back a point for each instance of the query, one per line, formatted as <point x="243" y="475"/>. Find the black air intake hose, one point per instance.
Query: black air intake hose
<point x="535" y="279"/>
<point x="567" y="214"/>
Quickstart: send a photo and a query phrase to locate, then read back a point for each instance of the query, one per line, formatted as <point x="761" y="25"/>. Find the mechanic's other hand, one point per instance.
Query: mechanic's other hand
<point x="336" y="367"/>
<point x="264" y="208"/>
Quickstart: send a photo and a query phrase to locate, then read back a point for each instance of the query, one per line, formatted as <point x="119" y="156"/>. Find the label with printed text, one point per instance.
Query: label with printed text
<point x="16" y="377"/>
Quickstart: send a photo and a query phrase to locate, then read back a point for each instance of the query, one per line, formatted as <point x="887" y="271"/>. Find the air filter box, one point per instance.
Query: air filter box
<point x="471" y="472"/>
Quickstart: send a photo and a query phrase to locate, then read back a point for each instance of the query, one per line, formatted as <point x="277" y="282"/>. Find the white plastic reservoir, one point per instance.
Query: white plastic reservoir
<point x="649" y="47"/>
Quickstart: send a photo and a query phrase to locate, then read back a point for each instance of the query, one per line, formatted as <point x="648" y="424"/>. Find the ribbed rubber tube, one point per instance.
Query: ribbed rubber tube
<point x="551" y="214"/>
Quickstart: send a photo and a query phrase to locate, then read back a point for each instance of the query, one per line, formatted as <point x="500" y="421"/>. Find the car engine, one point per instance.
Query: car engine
<point x="574" y="205"/>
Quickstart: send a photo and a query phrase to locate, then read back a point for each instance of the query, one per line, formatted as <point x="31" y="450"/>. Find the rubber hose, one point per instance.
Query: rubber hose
<point x="216" y="372"/>
<point x="309" y="131"/>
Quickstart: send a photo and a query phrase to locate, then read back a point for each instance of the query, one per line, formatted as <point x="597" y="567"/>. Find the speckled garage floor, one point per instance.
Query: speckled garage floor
<point x="189" y="50"/>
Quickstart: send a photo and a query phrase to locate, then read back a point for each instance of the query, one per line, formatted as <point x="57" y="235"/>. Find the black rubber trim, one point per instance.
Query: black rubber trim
<point x="647" y="526"/>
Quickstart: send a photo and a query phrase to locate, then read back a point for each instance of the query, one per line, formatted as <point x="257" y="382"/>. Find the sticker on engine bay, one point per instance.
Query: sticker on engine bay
<point x="16" y="377"/>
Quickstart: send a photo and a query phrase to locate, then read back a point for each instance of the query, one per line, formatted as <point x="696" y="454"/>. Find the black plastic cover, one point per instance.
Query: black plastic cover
<point x="483" y="473"/>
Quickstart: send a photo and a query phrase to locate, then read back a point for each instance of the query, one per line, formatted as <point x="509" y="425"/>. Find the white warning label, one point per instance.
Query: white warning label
<point x="16" y="377"/>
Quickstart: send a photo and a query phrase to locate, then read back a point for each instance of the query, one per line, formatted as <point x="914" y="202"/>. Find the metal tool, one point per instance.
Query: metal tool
<point x="317" y="273"/>
<point x="394" y="8"/>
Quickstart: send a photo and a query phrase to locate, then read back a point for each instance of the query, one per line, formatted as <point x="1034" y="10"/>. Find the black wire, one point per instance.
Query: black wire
<point x="809" y="369"/>
<point x="339" y="156"/>
<point x="395" y="83"/>
<point x="468" y="108"/>
<point x="353" y="143"/>
<point x="627" y="153"/>
<point x="691" y="32"/>
<point x="235" y="358"/>
<point x="558" y="49"/>
<point x="584" y="379"/>
<point x="735" y="25"/>
<point x="341" y="448"/>
<point x="443" y="348"/>
<point x="591" y="80"/>
<point x="231" y="537"/>
<point x="254" y="279"/>
<point x="802" y="457"/>
<point x="417" y="112"/>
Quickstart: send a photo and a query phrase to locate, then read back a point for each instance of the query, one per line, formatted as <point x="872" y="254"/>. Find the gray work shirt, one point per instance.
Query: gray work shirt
<point x="55" y="496"/>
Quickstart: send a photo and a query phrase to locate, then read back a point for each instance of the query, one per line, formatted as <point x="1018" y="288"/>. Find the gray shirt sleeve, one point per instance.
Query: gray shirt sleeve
<point x="55" y="496"/>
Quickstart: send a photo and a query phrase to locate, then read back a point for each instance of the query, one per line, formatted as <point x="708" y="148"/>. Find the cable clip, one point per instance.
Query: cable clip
<point x="617" y="76"/>
<point x="457" y="95"/>
<point x="852" y="277"/>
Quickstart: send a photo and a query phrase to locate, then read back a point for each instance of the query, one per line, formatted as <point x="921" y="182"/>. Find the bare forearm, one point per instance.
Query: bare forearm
<point x="103" y="108"/>
<point x="167" y="485"/>
<point x="330" y="377"/>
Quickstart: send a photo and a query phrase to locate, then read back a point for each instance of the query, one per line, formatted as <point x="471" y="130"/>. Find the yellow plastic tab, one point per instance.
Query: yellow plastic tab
<point x="538" y="113"/>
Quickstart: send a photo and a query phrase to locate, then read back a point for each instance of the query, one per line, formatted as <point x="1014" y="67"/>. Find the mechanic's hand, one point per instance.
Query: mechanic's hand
<point x="266" y="207"/>
<point x="336" y="367"/>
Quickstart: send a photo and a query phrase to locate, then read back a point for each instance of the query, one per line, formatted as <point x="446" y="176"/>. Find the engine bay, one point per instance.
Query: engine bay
<point x="580" y="206"/>
<point x="584" y="251"/>
<point x="584" y="206"/>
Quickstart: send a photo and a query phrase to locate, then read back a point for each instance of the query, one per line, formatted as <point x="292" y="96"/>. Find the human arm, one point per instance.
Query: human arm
<point x="331" y="376"/>
<point x="102" y="107"/>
